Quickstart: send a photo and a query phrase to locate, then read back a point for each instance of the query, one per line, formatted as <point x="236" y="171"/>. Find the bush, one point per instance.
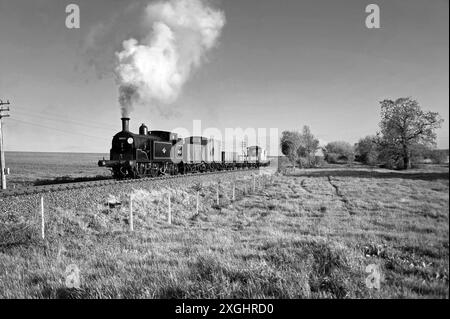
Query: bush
<point x="312" y="162"/>
<point x="390" y="163"/>
<point x="303" y="162"/>
<point x="419" y="154"/>
<point x="339" y="152"/>
<point x="332" y="158"/>
<point x="438" y="156"/>
<point x="319" y="161"/>
<point x="335" y="158"/>
<point x="367" y="150"/>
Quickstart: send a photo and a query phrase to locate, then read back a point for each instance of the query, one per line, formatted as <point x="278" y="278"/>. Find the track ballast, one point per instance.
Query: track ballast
<point x="31" y="190"/>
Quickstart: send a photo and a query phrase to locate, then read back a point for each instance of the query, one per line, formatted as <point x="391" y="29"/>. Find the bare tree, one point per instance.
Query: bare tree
<point x="404" y="125"/>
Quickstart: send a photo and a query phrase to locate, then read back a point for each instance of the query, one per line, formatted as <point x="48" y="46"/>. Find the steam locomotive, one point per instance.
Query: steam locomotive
<point x="156" y="153"/>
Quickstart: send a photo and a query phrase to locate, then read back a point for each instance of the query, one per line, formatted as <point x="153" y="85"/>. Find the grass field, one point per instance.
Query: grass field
<point x="307" y="235"/>
<point x="29" y="168"/>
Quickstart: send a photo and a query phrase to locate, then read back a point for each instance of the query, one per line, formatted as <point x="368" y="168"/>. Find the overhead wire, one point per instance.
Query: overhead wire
<point x="61" y="120"/>
<point x="56" y="129"/>
<point x="46" y="115"/>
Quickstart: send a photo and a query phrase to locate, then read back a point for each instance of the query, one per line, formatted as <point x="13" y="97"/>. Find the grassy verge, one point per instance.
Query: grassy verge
<point x="294" y="237"/>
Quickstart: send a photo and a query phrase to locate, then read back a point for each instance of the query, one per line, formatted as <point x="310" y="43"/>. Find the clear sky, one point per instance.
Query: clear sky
<point x="279" y="64"/>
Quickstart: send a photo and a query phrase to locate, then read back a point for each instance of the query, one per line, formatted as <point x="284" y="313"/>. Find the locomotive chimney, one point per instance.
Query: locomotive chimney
<point x="125" y="124"/>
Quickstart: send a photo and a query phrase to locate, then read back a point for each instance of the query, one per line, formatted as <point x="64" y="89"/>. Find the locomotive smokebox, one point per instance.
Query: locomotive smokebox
<point x="125" y="124"/>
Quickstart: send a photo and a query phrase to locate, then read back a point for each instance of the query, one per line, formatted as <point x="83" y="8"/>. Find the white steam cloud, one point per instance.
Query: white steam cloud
<point x="180" y="32"/>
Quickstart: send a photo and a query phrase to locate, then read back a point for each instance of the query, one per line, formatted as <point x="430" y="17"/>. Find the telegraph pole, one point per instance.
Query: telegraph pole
<point x="4" y="107"/>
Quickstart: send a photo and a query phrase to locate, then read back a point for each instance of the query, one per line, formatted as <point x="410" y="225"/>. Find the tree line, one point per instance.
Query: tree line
<point x="406" y="134"/>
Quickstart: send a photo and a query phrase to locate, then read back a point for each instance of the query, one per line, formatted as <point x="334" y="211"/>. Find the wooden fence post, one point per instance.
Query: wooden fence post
<point x="42" y="218"/>
<point x="197" y="187"/>
<point x="131" y="213"/>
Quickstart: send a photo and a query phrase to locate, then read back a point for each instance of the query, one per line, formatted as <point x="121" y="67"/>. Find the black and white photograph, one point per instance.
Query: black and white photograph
<point x="224" y="155"/>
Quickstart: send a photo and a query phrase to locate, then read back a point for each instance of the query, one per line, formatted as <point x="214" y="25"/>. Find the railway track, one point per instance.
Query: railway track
<point x="31" y="190"/>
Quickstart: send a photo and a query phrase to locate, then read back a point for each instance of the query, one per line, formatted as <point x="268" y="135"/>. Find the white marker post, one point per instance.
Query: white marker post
<point x="218" y="198"/>
<point x="42" y="218"/>
<point x="234" y="191"/>
<point x="198" y="200"/>
<point x="254" y="183"/>
<point x="169" y="218"/>
<point x="131" y="213"/>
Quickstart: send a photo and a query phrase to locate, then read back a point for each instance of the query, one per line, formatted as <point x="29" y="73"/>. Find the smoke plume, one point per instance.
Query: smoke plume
<point x="180" y="32"/>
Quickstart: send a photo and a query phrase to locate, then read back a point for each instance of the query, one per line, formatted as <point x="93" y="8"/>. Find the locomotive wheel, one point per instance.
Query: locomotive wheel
<point x="141" y="170"/>
<point x="123" y="171"/>
<point x="117" y="174"/>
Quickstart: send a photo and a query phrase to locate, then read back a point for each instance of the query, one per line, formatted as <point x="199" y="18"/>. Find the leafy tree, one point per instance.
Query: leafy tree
<point x="290" y="143"/>
<point x="308" y="146"/>
<point x="404" y="126"/>
<point x="339" y="151"/>
<point x="367" y="150"/>
<point x="300" y="147"/>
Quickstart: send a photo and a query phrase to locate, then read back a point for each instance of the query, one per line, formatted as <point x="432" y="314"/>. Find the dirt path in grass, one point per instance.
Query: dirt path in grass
<point x="341" y="196"/>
